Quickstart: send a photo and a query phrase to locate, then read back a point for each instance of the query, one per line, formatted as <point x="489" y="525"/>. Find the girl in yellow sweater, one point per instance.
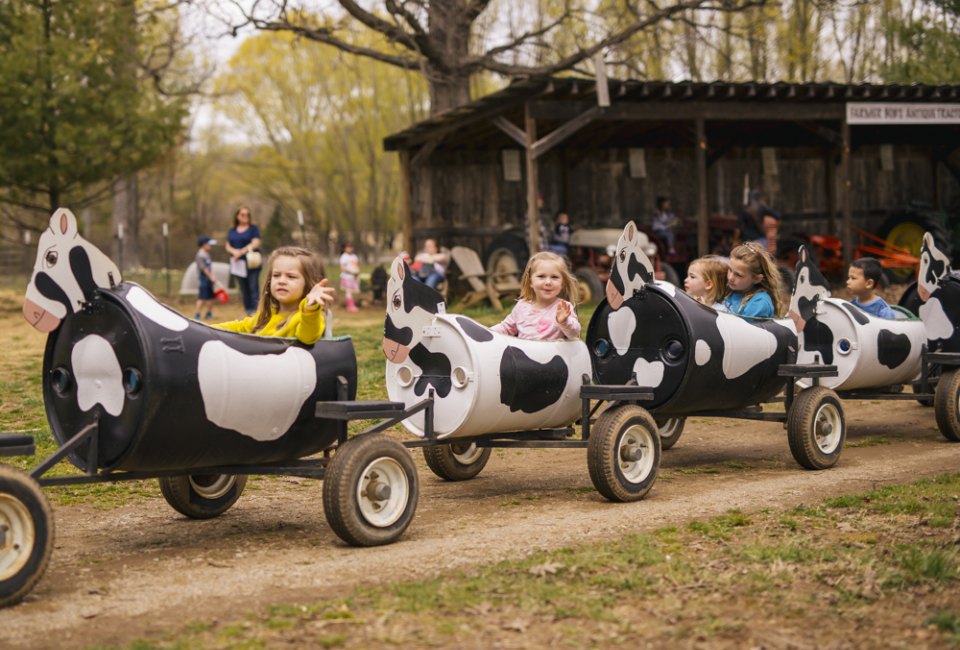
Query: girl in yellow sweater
<point x="287" y="308"/>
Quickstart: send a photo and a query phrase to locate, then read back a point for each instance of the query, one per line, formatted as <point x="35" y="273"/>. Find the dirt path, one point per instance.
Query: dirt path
<point x="133" y="571"/>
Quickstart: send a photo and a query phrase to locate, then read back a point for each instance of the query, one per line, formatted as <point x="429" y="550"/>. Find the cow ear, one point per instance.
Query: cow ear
<point x="629" y="231"/>
<point x="803" y="254"/>
<point x="62" y="222"/>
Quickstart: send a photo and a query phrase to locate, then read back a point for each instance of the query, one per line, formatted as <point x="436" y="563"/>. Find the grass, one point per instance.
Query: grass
<point x="842" y="573"/>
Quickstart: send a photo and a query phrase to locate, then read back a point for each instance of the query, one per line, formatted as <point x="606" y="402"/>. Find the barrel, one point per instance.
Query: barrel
<point x="484" y="382"/>
<point x="168" y="393"/>
<point x="869" y="352"/>
<point x="693" y="357"/>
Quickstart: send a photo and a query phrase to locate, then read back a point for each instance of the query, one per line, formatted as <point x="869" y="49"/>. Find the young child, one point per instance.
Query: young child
<point x="349" y="270"/>
<point x="863" y="278"/>
<point x="294" y="295"/>
<point x="706" y="281"/>
<point x="754" y="283"/>
<point x="207" y="281"/>
<point x="545" y="310"/>
<point x="560" y="237"/>
<point x="662" y="224"/>
<point x="431" y="264"/>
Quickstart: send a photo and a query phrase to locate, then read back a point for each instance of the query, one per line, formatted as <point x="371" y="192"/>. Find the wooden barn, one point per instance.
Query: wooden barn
<point x="828" y="156"/>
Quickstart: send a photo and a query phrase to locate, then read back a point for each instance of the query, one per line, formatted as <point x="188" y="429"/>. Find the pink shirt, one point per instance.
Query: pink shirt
<point x="527" y="321"/>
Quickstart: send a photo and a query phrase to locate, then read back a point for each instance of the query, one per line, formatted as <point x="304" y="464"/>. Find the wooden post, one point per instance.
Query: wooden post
<point x="533" y="210"/>
<point x="703" y="224"/>
<point x="830" y="187"/>
<point x="406" y="217"/>
<point x="846" y="234"/>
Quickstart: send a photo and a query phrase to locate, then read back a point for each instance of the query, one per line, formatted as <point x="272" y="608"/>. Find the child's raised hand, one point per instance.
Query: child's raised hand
<point x="320" y="294"/>
<point x="563" y="311"/>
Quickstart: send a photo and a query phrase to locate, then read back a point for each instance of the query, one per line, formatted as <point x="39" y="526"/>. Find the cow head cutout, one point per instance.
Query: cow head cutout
<point x="632" y="269"/>
<point x="934" y="266"/>
<point x="67" y="272"/>
<point x="809" y="287"/>
<point x="410" y="305"/>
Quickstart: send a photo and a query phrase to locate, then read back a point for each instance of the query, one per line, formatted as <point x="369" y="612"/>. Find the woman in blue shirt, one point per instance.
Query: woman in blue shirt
<point x="242" y="239"/>
<point x="754" y="283"/>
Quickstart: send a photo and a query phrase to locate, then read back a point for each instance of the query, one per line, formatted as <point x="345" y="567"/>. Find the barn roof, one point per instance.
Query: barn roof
<point x="557" y="99"/>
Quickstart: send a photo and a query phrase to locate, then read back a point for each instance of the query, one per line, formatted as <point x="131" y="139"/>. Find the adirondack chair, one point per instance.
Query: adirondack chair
<point x="482" y="285"/>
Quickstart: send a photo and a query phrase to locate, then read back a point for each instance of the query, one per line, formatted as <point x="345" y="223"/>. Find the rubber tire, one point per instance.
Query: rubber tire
<point x="924" y="224"/>
<point x="444" y="462"/>
<point x="591" y="288"/>
<point x="911" y="299"/>
<point x="801" y="434"/>
<point x="340" y="490"/>
<point x="946" y="404"/>
<point x="513" y="243"/>
<point x="603" y="448"/>
<point x="670" y="431"/>
<point x="182" y="495"/>
<point x="20" y="491"/>
<point x="670" y="274"/>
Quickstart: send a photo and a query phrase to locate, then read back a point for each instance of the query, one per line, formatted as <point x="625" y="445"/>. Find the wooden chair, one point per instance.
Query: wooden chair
<point x="482" y="285"/>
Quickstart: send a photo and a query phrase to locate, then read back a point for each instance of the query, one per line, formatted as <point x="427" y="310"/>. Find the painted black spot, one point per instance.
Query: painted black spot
<point x="435" y="369"/>
<point x="807" y="307"/>
<point x="936" y="269"/>
<point x="892" y="349"/>
<point x="636" y="267"/>
<point x="417" y="294"/>
<point x="50" y="289"/>
<point x="617" y="281"/>
<point x="80" y="267"/>
<point x="529" y="386"/>
<point x="856" y="312"/>
<point x="475" y="330"/>
<point x="818" y="337"/>
<point x="402" y="335"/>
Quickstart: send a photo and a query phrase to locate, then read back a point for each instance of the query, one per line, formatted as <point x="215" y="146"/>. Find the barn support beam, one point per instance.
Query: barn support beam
<point x="406" y="216"/>
<point x="702" y="218"/>
<point x="533" y="193"/>
<point x="564" y="131"/>
<point x="512" y="130"/>
<point x="846" y="232"/>
<point x="830" y="188"/>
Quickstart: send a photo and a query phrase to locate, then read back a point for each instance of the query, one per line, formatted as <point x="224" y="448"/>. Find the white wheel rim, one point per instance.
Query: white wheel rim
<point x="466" y="454"/>
<point x="218" y="487"/>
<point x="827" y="428"/>
<point x="637" y="437"/>
<point x="383" y="492"/>
<point x="669" y="427"/>
<point x="17" y="536"/>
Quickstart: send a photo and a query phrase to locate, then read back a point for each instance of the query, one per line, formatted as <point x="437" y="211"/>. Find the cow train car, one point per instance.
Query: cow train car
<point x="489" y="390"/>
<point x="134" y="390"/>
<point x="700" y="361"/>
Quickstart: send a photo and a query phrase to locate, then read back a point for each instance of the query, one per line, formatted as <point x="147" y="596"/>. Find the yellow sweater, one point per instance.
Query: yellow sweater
<point x="306" y="326"/>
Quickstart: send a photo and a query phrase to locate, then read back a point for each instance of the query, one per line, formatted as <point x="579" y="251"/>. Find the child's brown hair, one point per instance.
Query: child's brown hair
<point x="714" y="269"/>
<point x="310" y="266"/>
<point x="761" y="263"/>
<point x="570" y="289"/>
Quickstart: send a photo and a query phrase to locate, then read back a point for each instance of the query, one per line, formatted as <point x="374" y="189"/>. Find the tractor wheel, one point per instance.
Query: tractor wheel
<point x="591" y="288"/>
<point x="623" y="454"/>
<point x="906" y="231"/>
<point x="507" y="253"/>
<point x="26" y="534"/>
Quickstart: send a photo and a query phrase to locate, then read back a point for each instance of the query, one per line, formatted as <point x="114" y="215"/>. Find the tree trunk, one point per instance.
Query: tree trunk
<point x="449" y="27"/>
<point x="125" y="215"/>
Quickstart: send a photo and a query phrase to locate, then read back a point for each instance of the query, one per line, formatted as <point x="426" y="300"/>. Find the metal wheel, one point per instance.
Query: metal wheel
<point x="370" y="491"/>
<point x="946" y="404"/>
<point x="670" y="430"/>
<point x="623" y="454"/>
<point x="26" y="534"/>
<point x="816" y="428"/>
<point x="202" y="496"/>
<point x="457" y="461"/>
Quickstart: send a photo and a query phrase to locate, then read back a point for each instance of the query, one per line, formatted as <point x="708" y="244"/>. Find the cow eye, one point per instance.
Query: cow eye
<point x="51" y="258"/>
<point x="623" y="255"/>
<point x="397" y="303"/>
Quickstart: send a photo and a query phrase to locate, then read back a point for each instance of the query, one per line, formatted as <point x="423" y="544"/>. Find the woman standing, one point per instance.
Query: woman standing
<point x="243" y="239"/>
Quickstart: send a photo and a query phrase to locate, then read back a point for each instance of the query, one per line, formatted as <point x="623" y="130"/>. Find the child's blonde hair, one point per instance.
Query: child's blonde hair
<point x="761" y="263"/>
<point x="310" y="266"/>
<point x="714" y="270"/>
<point x="569" y="290"/>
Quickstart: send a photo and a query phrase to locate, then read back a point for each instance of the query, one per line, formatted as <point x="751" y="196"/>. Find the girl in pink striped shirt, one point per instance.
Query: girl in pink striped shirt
<point x="545" y="310"/>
